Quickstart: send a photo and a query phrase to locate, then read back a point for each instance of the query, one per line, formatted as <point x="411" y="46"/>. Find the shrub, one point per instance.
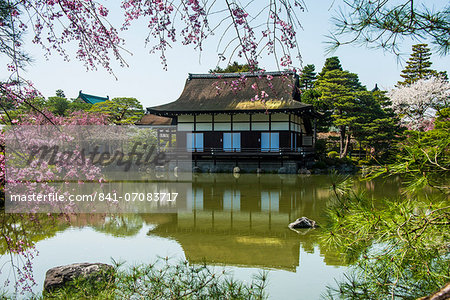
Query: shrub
<point x="320" y="165"/>
<point x="333" y="154"/>
<point x="164" y="280"/>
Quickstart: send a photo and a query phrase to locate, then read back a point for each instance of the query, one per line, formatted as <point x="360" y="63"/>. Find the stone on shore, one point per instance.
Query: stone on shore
<point x="57" y="277"/>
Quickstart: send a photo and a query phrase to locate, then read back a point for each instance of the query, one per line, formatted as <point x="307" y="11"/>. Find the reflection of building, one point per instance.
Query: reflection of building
<point x="244" y="221"/>
<point x="219" y="120"/>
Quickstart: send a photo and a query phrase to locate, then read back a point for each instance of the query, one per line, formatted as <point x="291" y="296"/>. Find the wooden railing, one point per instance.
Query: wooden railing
<point x="274" y="151"/>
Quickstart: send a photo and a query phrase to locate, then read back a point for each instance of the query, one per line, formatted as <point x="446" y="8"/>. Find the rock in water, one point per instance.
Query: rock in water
<point x="303" y="222"/>
<point x="58" y="276"/>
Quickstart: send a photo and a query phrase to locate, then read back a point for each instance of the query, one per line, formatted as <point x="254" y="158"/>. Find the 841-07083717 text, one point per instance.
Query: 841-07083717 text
<point x="131" y="197"/>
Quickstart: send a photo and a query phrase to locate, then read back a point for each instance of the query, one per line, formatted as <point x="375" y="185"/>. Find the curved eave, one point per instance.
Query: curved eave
<point x="306" y="109"/>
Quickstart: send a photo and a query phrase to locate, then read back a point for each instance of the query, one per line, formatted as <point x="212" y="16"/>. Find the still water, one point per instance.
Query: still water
<point x="236" y="223"/>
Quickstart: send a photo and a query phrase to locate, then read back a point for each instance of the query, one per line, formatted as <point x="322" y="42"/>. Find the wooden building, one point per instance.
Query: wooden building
<point x="241" y="118"/>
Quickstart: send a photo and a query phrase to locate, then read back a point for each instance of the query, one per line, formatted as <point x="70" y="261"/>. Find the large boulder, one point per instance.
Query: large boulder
<point x="58" y="276"/>
<point x="303" y="222"/>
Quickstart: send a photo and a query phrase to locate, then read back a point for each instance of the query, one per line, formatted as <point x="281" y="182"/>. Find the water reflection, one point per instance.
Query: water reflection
<point x="240" y="222"/>
<point x="243" y="221"/>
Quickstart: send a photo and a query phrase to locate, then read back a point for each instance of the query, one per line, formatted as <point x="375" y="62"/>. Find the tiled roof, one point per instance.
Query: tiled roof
<point x="91" y="99"/>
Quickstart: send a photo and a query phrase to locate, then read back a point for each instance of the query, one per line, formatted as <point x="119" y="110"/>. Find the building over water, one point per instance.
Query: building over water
<point x="249" y="120"/>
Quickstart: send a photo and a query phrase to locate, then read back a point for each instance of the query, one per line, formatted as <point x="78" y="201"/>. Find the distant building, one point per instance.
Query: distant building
<point x="219" y="120"/>
<point x="91" y="99"/>
<point x="375" y="89"/>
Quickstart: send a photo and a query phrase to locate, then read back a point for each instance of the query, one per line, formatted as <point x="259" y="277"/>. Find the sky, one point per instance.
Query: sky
<point x="145" y="79"/>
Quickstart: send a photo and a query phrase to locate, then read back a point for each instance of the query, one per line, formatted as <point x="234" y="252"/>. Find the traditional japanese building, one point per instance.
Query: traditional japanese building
<point x="91" y="99"/>
<point x="241" y="119"/>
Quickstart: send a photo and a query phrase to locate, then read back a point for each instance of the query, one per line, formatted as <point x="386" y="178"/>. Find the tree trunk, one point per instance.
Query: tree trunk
<point x="359" y="153"/>
<point x="341" y="140"/>
<point x="347" y="142"/>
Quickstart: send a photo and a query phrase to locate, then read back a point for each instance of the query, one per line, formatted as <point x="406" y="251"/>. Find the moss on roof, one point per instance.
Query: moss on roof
<point x="235" y="91"/>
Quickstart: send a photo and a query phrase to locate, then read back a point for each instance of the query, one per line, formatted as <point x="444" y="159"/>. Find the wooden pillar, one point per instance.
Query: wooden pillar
<point x="270" y="122"/>
<point x="314" y="132"/>
<point x="195" y="122"/>
<point x="231" y="123"/>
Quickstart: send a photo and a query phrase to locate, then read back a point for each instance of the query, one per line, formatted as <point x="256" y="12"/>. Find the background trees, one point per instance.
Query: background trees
<point x="338" y="90"/>
<point x="120" y="110"/>
<point x="347" y="106"/>
<point x="418" y="102"/>
<point x="235" y="67"/>
<point x="422" y="92"/>
<point x="418" y="66"/>
<point x="308" y="77"/>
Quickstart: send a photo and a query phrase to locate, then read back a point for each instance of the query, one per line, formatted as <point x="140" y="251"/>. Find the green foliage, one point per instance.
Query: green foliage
<point x="312" y="96"/>
<point x="60" y="93"/>
<point x="357" y="113"/>
<point x="23" y="109"/>
<point x="27" y="229"/>
<point x="121" y="225"/>
<point x="164" y="280"/>
<point x="384" y="24"/>
<point x="120" y="110"/>
<point x="57" y="105"/>
<point x="418" y="66"/>
<point x="331" y="63"/>
<point x="399" y="248"/>
<point x="79" y="105"/>
<point x="235" y="67"/>
<point x="332" y="154"/>
<point x="308" y="77"/>
<point x="423" y="158"/>
<point x="338" y="96"/>
<point x="375" y="124"/>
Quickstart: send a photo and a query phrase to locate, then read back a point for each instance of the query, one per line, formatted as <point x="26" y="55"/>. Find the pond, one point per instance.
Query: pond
<point x="234" y="222"/>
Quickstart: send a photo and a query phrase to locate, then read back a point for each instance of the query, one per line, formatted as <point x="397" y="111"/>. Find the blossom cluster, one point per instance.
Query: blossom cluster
<point x="419" y="101"/>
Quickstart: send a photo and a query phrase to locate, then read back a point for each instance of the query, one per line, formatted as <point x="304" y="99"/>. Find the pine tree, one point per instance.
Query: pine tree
<point x="308" y="77"/>
<point x="418" y="65"/>
<point x="331" y="63"/>
<point x="376" y="124"/>
<point x="338" y="89"/>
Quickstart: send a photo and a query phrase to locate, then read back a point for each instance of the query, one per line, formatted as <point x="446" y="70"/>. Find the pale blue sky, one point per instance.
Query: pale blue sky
<point x="145" y="79"/>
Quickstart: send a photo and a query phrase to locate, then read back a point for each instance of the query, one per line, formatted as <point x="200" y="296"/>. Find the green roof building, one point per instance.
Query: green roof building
<point x="91" y="99"/>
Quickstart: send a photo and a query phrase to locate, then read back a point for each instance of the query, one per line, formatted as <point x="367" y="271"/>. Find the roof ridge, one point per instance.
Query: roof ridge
<point x="238" y="75"/>
<point x="90" y="95"/>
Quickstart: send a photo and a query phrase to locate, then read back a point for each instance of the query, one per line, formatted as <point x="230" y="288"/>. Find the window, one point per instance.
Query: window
<point x="232" y="141"/>
<point x="194" y="142"/>
<point x="294" y="141"/>
<point x="232" y="200"/>
<point x="270" y="141"/>
<point x="270" y="201"/>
